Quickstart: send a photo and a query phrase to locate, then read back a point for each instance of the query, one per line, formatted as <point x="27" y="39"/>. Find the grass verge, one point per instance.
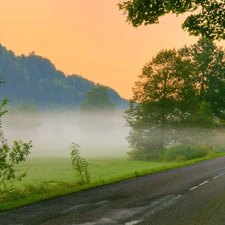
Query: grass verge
<point x="48" y="178"/>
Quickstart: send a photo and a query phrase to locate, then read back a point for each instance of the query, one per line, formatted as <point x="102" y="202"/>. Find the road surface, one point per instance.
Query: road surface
<point x="191" y="195"/>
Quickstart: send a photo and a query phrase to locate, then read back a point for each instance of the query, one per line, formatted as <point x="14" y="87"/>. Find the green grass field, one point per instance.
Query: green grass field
<point x="51" y="177"/>
<point x="60" y="169"/>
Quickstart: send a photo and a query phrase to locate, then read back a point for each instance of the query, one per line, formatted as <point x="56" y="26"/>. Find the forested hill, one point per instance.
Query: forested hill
<point x="34" y="81"/>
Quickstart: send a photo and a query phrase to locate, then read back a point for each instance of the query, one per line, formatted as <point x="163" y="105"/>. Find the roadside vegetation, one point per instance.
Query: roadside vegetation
<point x="52" y="177"/>
<point x="11" y="156"/>
<point x="80" y="165"/>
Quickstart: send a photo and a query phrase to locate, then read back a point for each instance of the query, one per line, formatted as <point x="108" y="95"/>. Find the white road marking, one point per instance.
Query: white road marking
<point x="133" y="222"/>
<point x="203" y="183"/>
<point x="219" y="176"/>
<point x="193" y="188"/>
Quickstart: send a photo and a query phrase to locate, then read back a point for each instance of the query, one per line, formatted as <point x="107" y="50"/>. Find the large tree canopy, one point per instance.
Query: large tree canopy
<point x="178" y="99"/>
<point x="162" y="99"/>
<point x="207" y="17"/>
<point x="208" y="62"/>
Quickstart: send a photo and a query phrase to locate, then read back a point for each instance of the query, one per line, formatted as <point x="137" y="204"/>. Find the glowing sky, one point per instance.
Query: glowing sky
<point x="87" y="37"/>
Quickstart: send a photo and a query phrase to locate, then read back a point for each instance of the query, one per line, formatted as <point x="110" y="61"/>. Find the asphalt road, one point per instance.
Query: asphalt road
<point x="191" y="195"/>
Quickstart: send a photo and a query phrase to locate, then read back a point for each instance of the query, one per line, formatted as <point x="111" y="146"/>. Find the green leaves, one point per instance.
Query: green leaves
<point x="97" y="100"/>
<point x="19" y="151"/>
<point x="9" y="157"/>
<point x="160" y="93"/>
<point x="179" y="98"/>
<point x="96" y="114"/>
<point x="207" y="20"/>
<point x="2" y="112"/>
<point x="79" y="164"/>
<point x="208" y="73"/>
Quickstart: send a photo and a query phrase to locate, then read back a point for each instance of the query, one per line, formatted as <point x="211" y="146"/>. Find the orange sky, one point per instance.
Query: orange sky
<point x="89" y="38"/>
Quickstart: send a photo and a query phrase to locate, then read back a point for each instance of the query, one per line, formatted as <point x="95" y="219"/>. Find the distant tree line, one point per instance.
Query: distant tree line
<point x="34" y="81"/>
<point x="22" y="118"/>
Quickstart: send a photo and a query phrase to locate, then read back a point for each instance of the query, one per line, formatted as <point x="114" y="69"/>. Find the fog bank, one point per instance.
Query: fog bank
<point x="99" y="136"/>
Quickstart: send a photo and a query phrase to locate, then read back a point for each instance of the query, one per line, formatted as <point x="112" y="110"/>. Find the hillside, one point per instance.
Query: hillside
<point x="34" y="81"/>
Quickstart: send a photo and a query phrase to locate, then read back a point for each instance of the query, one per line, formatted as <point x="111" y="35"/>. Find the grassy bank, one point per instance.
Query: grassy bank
<point x="51" y="177"/>
<point x="101" y="169"/>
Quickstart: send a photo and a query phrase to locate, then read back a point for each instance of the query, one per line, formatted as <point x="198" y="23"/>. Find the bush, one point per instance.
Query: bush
<point x="185" y="152"/>
<point x="216" y="149"/>
<point x="145" y="156"/>
<point x="9" y="157"/>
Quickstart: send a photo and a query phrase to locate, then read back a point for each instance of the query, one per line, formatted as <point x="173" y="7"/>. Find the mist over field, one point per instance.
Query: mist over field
<point x="99" y="135"/>
<point x="53" y="133"/>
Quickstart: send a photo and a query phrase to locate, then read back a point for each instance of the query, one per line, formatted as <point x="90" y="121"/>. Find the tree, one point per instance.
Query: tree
<point x="198" y="126"/>
<point x="178" y="99"/>
<point x="97" y="112"/>
<point x="208" y="77"/>
<point x="208" y="62"/>
<point x="96" y="116"/>
<point x="161" y="99"/>
<point x="9" y="157"/>
<point x="97" y="100"/>
<point x="207" y="18"/>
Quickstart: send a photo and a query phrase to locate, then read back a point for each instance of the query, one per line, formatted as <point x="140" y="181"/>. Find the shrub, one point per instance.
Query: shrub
<point x="185" y="152"/>
<point x="216" y="149"/>
<point x="79" y="164"/>
<point x="9" y="157"/>
<point x="144" y="156"/>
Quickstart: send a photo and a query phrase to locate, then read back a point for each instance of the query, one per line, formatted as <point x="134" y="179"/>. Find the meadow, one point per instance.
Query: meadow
<point x="101" y="169"/>
<point x="52" y="177"/>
